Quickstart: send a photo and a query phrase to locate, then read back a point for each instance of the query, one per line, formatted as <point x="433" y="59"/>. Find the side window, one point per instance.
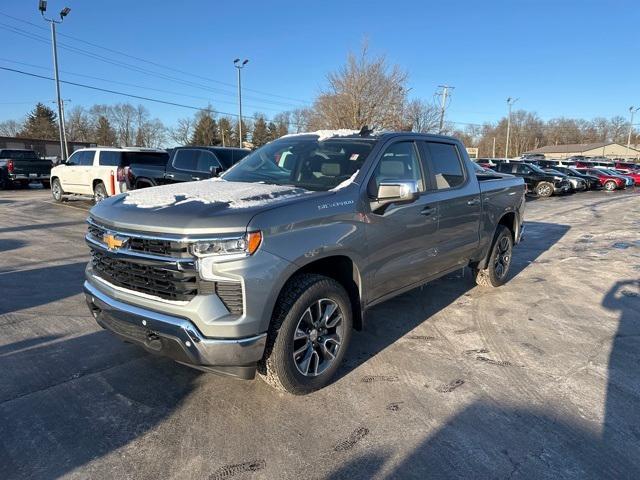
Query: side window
<point x="206" y="160"/>
<point x="109" y="159"/>
<point x="86" y="158"/>
<point x="400" y="162"/>
<point x="524" y="169"/>
<point x="446" y="165"/>
<point x="186" y="159"/>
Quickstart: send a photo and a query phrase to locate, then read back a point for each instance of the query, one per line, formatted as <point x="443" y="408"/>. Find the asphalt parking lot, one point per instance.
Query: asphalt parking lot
<point x="537" y="379"/>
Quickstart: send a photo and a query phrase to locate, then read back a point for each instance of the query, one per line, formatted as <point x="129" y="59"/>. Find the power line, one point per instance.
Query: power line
<point x="133" y="57"/>
<point x="139" y="97"/>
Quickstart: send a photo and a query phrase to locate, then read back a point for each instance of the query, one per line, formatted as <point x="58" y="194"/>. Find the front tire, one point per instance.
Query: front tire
<point x="610" y="185"/>
<point x="309" y="334"/>
<point x="499" y="261"/>
<point x="56" y="190"/>
<point x="544" y="189"/>
<point x="99" y="193"/>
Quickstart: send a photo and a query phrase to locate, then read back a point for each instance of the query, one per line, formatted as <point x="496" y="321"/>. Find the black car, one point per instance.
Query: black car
<point x="185" y="164"/>
<point x="592" y="181"/>
<point x="542" y="183"/>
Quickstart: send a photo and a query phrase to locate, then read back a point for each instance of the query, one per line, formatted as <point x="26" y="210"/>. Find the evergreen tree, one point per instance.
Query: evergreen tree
<point x="41" y="123"/>
<point x="260" y="135"/>
<point x="226" y="131"/>
<point x="206" y="129"/>
<point x="105" y="134"/>
<point x="272" y="131"/>
<point x="234" y="133"/>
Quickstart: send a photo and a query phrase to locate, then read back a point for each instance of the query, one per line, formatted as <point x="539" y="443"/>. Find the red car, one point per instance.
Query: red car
<point x="627" y="167"/>
<point x="608" y="182"/>
<point x="635" y="174"/>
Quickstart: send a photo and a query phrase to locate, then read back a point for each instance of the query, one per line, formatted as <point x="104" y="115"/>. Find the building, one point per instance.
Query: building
<point x="601" y="149"/>
<point x="46" y="148"/>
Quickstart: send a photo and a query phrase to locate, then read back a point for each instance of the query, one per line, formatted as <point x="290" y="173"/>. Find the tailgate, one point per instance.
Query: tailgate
<point x="28" y="167"/>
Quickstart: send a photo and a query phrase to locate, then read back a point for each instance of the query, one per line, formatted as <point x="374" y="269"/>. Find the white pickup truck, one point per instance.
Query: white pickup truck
<point x="99" y="172"/>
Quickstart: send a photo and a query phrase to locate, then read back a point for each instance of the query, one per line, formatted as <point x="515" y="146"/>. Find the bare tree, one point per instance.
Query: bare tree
<point x="79" y="125"/>
<point x="420" y="116"/>
<point x="183" y="131"/>
<point x="123" y="118"/>
<point x="10" y="128"/>
<point x="366" y="91"/>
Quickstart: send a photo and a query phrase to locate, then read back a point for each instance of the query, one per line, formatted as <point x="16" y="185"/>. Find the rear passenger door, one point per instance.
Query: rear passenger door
<point x="84" y="172"/>
<point x="459" y="205"/>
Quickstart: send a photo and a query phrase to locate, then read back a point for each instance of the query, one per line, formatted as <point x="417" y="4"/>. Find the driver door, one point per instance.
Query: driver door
<point x="401" y="237"/>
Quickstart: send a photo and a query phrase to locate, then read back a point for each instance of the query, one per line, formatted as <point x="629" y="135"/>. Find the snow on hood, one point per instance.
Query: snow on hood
<point x="216" y="190"/>
<point x="326" y="134"/>
<point x="345" y="183"/>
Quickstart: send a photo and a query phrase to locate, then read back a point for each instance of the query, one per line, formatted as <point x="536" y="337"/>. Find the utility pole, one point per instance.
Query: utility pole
<point x="240" y="66"/>
<point x="510" y="102"/>
<point x="42" y="6"/>
<point x="443" y="105"/>
<point x="632" y="111"/>
<point x="493" y="151"/>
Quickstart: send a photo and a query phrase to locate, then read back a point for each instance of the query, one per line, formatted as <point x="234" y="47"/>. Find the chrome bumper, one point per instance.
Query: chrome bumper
<point x="175" y="337"/>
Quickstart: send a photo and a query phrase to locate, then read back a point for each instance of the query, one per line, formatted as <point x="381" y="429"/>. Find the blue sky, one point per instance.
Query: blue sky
<point x="560" y="58"/>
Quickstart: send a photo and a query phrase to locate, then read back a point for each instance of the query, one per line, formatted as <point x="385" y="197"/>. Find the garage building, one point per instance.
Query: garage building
<point x="601" y="149"/>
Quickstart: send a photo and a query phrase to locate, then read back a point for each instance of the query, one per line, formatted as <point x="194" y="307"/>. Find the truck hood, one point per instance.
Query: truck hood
<point x="204" y="207"/>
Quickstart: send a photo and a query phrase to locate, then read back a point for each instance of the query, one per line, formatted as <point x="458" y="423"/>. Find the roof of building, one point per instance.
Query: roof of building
<point x="572" y="147"/>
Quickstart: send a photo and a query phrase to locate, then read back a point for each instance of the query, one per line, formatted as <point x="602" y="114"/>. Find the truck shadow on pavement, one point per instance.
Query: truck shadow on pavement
<point x="383" y="324"/>
<point x="22" y="289"/>
<point x="489" y="441"/>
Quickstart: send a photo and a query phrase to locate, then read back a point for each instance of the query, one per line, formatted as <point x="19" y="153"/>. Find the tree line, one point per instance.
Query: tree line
<point x="366" y="90"/>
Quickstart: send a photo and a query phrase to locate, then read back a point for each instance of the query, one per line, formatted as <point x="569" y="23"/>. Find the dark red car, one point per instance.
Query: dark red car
<point x="608" y="182"/>
<point x="634" y="173"/>
<point x="627" y="167"/>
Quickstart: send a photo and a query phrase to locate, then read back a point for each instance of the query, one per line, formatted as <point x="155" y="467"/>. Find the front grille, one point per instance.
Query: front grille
<point x="152" y="246"/>
<point x="157" y="280"/>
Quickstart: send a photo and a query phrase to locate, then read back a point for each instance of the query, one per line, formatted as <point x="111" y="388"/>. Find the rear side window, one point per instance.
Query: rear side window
<point x="186" y="159"/>
<point x="239" y="155"/>
<point x="225" y="157"/>
<point x="109" y="159"/>
<point x="524" y="169"/>
<point x="446" y="165"/>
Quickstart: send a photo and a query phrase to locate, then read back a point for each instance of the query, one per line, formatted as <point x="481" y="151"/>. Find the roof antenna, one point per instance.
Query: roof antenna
<point x="365" y="131"/>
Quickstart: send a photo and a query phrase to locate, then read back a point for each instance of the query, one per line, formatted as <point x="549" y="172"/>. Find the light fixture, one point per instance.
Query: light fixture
<point x="65" y="11"/>
<point x="42" y="6"/>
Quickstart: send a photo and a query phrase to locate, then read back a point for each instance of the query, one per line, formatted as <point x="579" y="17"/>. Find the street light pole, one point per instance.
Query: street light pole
<point x="510" y="102"/>
<point x="42" y="6"/>
<point x="240" y="66"/>
<point x="443" y="104"/>
<point x="632" y="111"/>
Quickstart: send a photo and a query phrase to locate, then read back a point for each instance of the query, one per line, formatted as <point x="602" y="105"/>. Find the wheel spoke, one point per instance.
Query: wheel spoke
<point x="316" y="363"/>
<point x="301" y="349"/>
<point x="300" y="334"/>
<point x="307" y="317"/>
<point x="499" y="269"/>
<point x="329" y="310"/>
<point x="306" y="360"/>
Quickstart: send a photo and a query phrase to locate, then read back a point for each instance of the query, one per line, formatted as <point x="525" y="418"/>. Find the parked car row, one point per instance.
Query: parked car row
<point x="103" y="172"/>
<point x="548" y="177"/>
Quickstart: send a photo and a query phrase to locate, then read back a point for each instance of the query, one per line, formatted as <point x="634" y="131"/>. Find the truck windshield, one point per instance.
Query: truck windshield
<point x="303" y="162"/>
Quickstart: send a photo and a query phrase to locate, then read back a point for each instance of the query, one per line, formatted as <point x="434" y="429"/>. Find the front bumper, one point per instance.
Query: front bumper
<point x="561" y="188"/>
<point x="175" y="337"/>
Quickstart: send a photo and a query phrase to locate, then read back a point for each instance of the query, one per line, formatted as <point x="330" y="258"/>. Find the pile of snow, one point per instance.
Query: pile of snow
<point x="234" y="194"/>
<point x="326" y="134"/>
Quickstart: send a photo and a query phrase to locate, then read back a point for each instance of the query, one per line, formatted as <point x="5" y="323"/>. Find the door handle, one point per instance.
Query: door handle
<point x="426" y="211"/>
<point x="169" y="175"/>
<point x="474" y="201"/>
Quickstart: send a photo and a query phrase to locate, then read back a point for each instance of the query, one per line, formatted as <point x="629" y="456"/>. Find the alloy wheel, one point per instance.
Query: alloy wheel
<point x="318" y="337"/>
<point x="503" y="257"/>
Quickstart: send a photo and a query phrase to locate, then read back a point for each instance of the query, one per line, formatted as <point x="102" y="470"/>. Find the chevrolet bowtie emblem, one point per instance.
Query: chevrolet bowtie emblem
<point x="113" y="242"/>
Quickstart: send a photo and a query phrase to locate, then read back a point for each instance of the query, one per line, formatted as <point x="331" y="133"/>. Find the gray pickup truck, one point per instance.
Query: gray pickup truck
<point x="272" y="266"/>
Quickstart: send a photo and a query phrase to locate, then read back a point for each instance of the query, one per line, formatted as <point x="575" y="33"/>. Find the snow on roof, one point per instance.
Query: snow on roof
<point x="326" y="134"/>
<point x="215" y="190"/>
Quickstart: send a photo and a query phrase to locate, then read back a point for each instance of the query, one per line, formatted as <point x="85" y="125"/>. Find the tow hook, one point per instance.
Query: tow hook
<point x="153" y="341"/>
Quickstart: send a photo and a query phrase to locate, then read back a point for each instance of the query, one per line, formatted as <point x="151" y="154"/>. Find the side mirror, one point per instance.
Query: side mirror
<point x="397" y="191"/>
<point x="214" y="171"/>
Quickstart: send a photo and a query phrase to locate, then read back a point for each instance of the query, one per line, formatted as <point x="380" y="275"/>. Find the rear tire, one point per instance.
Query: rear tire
<point x="99" y="192"/>
<point x="499" y="260"/>
<point x="56" y="190"/>
<point x="308" y="336"/>
<point x="610" y="185"/>
<point x="544" y="189"/>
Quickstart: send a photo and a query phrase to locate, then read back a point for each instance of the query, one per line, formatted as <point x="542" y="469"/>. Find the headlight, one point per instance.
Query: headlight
<point x="236" y="246"/>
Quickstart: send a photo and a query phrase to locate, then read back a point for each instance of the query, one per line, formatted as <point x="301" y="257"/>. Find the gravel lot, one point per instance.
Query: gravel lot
<point x="536" y="379"/>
